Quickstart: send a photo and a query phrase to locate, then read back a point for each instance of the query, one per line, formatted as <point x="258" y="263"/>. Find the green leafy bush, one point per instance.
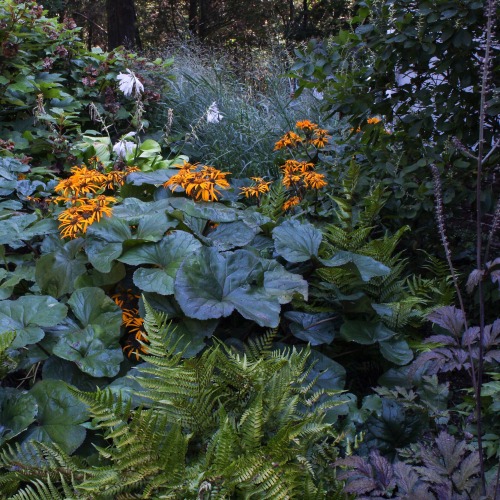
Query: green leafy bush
<point x="53" y="88"/>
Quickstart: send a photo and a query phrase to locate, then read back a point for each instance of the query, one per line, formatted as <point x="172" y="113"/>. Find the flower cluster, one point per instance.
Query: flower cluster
<point x="300" y="175"/>
<point x="370" y="121"/>
<point x="259" y="186"/>
<point x="199" y="182"/>
<point x="83" y="193"/>
<point x="136" y="340"/>
<point x="310" y="134"/>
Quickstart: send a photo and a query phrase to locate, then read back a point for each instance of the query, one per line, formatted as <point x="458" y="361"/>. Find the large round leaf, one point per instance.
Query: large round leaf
<point x="365" y="332"/>
<point x="57" y="271"/>
<point x="212" y="285"/>
<point x="216" y="212"/>
<point x="17" y="411"/>
<point x="313" y="328"/>
<point x="367" y="267"/>
<point x="28" y="315"/>
<point x="232" y="234"/>
<point x="59" y="417"/>
<point x="396" y="351"/>
<point x="90" y="352"/>
<point x="104" y="242"/>
<point x="167" y="255"/>
<point x="92" y="306"/>
<point x="297" y="241"/>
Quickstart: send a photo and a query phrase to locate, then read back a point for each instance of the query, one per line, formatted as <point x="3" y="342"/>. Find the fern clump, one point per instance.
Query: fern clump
<point x="223" y="425"/>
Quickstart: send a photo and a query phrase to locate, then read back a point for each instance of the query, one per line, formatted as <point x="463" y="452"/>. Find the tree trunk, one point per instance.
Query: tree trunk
<point x="122" y="25"/>
<point x="203" y="27"/>
<point x="304" y="19"/>
<point x="193" y="16"/>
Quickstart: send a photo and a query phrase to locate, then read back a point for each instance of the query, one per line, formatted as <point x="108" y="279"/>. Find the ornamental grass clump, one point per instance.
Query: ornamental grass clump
<point x="199" y="182"/>
<point x="83" y="194"/>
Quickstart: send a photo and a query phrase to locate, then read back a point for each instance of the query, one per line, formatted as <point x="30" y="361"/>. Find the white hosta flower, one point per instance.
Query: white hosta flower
<point x="213" y="114"/>
<point x="130" y="84"/>
<point x="317" y="94"/>
<point x="123" y="147"/>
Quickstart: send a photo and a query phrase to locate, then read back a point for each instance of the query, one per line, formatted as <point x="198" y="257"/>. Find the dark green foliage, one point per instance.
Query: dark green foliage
<point x="225" y="423"/>
<point x="447" y="468"/>
<point x="415" y="67"/>
<point x="53" y="88"/>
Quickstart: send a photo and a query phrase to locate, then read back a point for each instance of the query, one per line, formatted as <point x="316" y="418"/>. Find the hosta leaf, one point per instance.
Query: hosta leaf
<point x="168" y="254"/>
<point x="367" y="267"/>
<point x="396" y="351"/>
<point x="90" y="350"/>
<point x="297" y="241"/>
<point x="28" y="315"/>
<point x="17" y="411"/>
<point x="313" y="328"/>
<point x="57" y="271"/>
<point x="59" y="416"/>
<point x="212" y="285"/>
<point x="365" y="332"/>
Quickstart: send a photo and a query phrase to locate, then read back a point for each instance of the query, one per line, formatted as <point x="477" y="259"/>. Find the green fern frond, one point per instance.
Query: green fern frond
<point x="261" y="345"/>
<point x="7" y="364"/>
<point x="271" y="204"/>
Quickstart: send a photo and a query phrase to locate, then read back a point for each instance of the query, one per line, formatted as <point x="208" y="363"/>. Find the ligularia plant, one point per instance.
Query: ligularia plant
<point x="130" y="84"/>
<point x="123" y="147"/>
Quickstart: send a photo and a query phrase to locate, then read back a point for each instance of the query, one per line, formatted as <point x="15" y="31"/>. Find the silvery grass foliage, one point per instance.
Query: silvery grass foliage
<point x="254" y="105"/>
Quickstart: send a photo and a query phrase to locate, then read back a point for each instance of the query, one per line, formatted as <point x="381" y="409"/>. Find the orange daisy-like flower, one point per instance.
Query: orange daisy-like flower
<point x="290" y="139"/>
<point x="291" y="202"/>
<point x="125" y="297"/>
<point x="260" y="186"/>
<point x="306" y="125"/>
<point x="314" y="180"/>
<point x="320" y="138"/>
<point x="200" y="184"/>
<point x="73" y="222"/>
<point x="373" y="121"/>
<point x="98" y="206"/>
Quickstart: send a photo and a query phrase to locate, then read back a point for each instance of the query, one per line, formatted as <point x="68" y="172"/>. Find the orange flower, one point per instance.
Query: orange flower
<point x="314" y="180"/>
<point x="373" y="121"/>
<point x="291" y="202"/>
<point x="125" y="297"/>
<point x="306" y="125"/>
<point x="260" y="186"/>
<point x="290" y="139"/>
<point x="320" y="138"/>
<point x="74" y="223"/>
<point x="199" y="184"/>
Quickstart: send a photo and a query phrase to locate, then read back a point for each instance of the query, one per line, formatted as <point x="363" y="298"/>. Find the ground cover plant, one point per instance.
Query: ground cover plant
<point x="214" y="290"/>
